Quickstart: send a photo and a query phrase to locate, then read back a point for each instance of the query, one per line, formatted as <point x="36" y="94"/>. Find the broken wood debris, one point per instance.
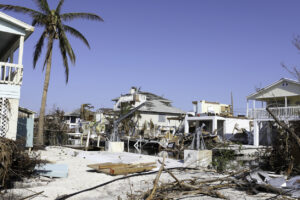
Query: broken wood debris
<point x="122" y="168"/>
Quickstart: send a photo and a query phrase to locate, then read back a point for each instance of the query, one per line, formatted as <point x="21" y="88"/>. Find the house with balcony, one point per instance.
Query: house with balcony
<point x="283" y="99"/>
<point x="13" y="33"/>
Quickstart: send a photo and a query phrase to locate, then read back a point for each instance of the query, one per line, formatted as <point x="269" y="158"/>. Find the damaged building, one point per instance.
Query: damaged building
<point x="156" y="115"/>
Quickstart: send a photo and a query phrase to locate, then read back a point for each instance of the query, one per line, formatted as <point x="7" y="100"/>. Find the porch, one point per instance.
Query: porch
<point x="282" y="113"/>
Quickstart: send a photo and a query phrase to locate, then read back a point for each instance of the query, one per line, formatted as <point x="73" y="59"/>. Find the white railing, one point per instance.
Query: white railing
<point x="11" y="73"/>
<point x="282" y="113"/>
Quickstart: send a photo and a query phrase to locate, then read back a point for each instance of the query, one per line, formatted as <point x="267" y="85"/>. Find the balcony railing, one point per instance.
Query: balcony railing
<point x="11" y="73"/>
<point x="282" y="113"/>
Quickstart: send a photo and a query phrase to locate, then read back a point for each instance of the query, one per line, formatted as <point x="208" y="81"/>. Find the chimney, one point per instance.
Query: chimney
<point x="195" y="106"/>
<point x="133" y="90"/>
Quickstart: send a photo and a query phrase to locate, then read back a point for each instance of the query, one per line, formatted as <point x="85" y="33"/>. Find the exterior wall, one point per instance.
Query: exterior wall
<point x="205" y="107"/>
<point x="72" y="125"/>
<point x="13" y="119"/>
<point x="155" y="119"/>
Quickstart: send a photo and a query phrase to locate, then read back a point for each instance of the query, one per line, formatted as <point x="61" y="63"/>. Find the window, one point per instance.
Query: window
<point x="73" y="119"/>
<point x="161" y="118"/>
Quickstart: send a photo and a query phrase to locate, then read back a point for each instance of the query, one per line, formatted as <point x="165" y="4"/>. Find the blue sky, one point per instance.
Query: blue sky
<point x="185" y="50"/>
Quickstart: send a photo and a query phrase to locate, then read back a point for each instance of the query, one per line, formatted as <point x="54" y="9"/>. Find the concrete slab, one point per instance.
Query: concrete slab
<point x="197" y="158"/>
<point x="114" y="146"/>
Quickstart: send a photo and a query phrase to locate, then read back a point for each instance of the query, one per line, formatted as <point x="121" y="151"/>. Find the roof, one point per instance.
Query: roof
<point x="157" y="104"/>
<point x="106" y="110"/>
<point x="74" y="113"/>
<point x="10" y="30"/>
<point x="252" y="96"/>
<point x="25" y="110"/>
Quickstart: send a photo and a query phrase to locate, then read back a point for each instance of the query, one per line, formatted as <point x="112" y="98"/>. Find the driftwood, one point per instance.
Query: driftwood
<point x="156" y="180"/>
<point x="66" y="196"/>
<point x="32" y="196"/>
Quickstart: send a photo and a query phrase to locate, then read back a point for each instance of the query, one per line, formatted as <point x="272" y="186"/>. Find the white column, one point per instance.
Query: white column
<point x="285" y="102"/>
<point x="21" y="49"/>
<point x="253" y="104"/>
<point x="186" y="125"/>
<point x="285" y="105"/>
<point x="256" y="133"/>
<point x="247" y="112"/>
<point x="214" y="125"/>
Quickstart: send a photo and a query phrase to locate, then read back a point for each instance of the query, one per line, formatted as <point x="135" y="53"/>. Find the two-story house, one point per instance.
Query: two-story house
<point x="283" y="99"/>
<point x="13" y="33"/>
<point x="157" y="111"/>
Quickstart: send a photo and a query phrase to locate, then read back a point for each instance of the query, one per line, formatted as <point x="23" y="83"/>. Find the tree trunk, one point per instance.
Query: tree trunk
<point x="40" y="136"/>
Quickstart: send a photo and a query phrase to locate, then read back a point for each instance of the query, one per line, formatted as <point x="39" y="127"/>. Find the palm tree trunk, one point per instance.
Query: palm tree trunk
<point x="40" y="139"/>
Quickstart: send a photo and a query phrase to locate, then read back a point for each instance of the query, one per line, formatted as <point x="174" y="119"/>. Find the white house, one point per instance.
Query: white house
<point x="72" y="119"/>
<point x="157" y="110"/>
<point x="283" y="99"/>
<point x="218" y="121"/>
<point x="13" y="33"/>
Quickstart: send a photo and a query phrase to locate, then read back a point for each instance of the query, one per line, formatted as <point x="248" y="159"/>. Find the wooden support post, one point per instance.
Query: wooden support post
<point x="186" y="125"/>
<point x="88" y="140"/>
<point x="128" y="143"/>
<point x="256" y="133"/>
<point x="98" y="141"/>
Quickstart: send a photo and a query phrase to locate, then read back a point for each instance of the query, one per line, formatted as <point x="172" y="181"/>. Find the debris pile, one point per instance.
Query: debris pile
<point x="251" y="182"/>
<point x="15" y="162"/>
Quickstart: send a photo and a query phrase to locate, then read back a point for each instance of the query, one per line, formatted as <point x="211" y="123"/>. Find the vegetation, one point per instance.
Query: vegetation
<point x="54" y="28"/>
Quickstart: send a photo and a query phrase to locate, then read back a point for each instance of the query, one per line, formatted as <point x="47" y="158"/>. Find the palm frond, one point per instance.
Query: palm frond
<point x="63" y="38"/>
<point x="39" y="20"/>
<point x="43" y="6"/>
<point x="77" y="34"/>
<point x="19" y="9"/>
<point x="58" y="8"/>
<point x="38" y="48"/>
<point x="71" y="16"/>
<point x="65" y="59"/>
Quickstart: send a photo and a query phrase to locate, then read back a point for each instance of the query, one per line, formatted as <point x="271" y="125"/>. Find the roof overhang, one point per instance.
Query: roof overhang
<point x="261" y="91"/>
<point x="10" y="31"/>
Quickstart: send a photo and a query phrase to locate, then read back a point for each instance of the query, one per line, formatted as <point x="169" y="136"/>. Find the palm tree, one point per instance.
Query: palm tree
<point x="54" y="29"/>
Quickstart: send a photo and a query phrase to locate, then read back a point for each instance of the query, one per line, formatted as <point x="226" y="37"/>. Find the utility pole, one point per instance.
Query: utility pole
<point x="232" y="104"/>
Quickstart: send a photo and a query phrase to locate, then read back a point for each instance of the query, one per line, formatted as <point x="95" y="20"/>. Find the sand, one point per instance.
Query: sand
<point x="80" y="177"/>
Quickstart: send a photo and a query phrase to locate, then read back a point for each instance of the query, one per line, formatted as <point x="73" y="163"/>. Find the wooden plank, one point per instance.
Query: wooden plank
<point x="107" y="165"/>
<point x="122" y="168"/>
<point x="123" y="171"/>
<point x="118" y="165"/>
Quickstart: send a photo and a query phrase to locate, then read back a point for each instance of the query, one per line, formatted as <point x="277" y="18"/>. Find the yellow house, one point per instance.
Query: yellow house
<point x="202" y="107"/>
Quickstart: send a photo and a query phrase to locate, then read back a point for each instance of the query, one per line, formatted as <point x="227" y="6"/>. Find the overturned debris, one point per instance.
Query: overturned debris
<point x="122" y="168"/>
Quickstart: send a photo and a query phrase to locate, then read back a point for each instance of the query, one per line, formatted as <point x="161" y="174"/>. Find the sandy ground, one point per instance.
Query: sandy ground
<point x="80" y="177"/>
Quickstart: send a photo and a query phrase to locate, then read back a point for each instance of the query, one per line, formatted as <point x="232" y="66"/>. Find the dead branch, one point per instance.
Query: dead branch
<point x="33" y="195"/>
<point x="156" y="180"/>
<point x="284" y="126"/>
